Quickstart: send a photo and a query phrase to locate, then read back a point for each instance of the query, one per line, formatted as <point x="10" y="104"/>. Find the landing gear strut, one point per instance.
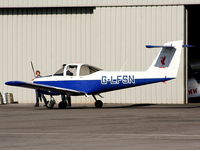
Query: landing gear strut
<point x="66" y="101"/>
<point x="98" y="103"/>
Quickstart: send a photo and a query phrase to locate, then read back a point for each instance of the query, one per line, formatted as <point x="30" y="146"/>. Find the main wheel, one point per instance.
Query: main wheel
<point x="98" y="104"/>
<point x="51" y="104"/>
<point x="62" y="105"/>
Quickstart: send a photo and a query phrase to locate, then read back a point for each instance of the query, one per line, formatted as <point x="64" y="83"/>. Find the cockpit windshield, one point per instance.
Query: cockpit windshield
<point x="59" y="72"/>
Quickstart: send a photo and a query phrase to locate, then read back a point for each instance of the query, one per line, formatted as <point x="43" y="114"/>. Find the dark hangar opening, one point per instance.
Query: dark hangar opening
<point x="193" y="65"/>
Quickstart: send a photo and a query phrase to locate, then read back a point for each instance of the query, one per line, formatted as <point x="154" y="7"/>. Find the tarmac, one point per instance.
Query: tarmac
<point x="114" y="127"/>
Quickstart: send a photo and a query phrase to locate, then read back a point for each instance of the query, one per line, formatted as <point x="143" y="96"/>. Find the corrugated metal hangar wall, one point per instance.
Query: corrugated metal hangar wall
<point x="111" y="38"/>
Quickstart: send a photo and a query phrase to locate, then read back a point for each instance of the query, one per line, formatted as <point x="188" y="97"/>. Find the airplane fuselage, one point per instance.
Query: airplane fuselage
<point x="101" y="81"/>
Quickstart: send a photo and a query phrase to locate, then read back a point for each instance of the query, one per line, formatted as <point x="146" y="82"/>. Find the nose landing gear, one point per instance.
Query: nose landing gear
<point x="98" y="103"/>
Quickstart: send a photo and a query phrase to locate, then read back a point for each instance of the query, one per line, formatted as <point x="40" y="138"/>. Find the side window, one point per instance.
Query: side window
<point x="71" y="70"/>
<point x="93" y="70"/>
<point x="84" y="70"/>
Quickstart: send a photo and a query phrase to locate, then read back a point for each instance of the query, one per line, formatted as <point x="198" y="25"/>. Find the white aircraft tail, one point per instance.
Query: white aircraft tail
<point x="168" y="60"/>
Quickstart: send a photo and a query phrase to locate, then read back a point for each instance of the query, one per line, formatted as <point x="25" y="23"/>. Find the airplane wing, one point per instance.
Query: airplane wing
<point x="44" y="87"/>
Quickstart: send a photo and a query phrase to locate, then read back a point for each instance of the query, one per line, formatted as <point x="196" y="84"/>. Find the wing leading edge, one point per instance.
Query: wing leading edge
<point x="44" y="87"/>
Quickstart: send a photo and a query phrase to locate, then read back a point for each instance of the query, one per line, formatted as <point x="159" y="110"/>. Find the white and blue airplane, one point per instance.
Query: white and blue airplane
<point x="83" y="79"/>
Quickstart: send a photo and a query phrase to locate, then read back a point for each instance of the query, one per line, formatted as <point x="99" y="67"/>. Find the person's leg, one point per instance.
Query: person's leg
<point x="44" y="99"/>
<point x="69" y="101"/>
<point x="37" y="98"/>
<point x="40" y="96"/>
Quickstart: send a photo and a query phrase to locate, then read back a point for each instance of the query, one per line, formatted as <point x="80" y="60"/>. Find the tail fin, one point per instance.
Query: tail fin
<point x="168" y="60"/>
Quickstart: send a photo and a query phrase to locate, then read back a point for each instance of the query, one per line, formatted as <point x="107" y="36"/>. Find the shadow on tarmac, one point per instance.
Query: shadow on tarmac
<point x="112" y="107"/>
<point x="133" y="106"/>
<point x="107" y="106"/>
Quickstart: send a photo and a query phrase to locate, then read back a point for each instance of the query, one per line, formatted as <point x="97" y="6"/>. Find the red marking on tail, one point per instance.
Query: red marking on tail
<point x="163" y="60"/>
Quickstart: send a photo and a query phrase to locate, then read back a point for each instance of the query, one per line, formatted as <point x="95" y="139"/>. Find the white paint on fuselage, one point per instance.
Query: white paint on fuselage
<point x="98" y="76"/>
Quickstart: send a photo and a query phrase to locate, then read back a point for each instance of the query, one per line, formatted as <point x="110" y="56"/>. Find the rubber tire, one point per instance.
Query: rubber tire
<point x="62" y="105"/>
<point x="98" y="104"/>
<point x="51" y="104"/>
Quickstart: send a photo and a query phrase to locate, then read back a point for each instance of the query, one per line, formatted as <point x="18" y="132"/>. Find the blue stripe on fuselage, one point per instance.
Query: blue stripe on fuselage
<point x="95" y="86"/>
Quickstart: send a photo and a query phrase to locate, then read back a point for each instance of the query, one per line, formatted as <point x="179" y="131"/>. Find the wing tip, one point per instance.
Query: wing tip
<point x="13" y="83"/>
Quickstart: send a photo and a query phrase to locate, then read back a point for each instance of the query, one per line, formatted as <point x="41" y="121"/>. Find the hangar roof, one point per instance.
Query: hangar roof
<point x="90" y="3"/>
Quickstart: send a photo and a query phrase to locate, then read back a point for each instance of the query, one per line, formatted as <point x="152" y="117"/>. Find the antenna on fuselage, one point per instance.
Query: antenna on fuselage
<point x="123" y="66"/>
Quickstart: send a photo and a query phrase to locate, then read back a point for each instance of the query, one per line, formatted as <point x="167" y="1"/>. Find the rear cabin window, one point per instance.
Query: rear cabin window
<point x="86" y="70"/>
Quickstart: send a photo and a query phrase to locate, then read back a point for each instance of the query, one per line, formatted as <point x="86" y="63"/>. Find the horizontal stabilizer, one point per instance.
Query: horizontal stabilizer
<point x="190" y="46"/>
<point x="158" y="46"/>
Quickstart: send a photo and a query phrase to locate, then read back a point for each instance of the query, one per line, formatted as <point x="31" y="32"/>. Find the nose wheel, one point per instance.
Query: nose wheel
<point x="98" y="103"/>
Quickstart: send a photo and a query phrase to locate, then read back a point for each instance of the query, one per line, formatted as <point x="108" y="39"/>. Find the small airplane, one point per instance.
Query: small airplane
<point x="82" y="79"/>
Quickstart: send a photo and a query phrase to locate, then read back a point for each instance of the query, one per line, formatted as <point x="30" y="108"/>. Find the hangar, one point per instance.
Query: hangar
<point x="109" y="34"/>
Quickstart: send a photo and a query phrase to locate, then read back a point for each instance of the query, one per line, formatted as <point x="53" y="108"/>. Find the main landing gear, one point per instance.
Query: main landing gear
<point x="98" y="103"/>
<point x="51" y="103"/>
<point x="66" y="102"/>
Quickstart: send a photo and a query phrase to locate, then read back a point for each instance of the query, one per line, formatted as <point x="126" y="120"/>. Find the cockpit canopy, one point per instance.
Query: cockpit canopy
<point x="87" y="69"/>
<point x="76" y="70"/>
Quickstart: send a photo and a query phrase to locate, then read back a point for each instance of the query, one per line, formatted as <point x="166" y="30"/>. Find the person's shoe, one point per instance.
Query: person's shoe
<point x="36" y="105"/>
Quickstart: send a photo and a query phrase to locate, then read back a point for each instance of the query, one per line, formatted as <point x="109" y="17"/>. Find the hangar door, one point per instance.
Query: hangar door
<point x="193" y="38"/>
<point x="47" y="36"/>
